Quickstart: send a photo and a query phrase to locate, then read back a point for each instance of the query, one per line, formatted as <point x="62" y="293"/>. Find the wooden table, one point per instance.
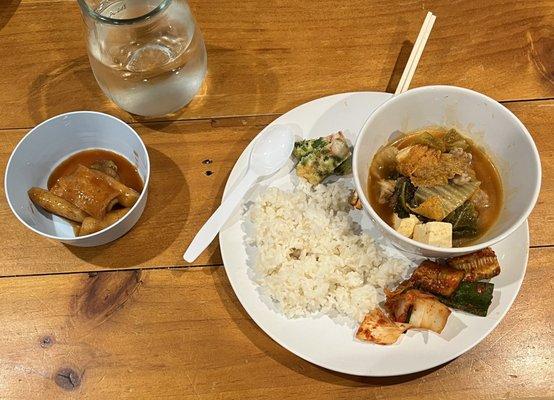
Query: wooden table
<point x="130" y="320"/>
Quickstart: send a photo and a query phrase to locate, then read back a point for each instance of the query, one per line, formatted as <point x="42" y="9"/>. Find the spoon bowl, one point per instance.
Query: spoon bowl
<point x="272" y="150"/>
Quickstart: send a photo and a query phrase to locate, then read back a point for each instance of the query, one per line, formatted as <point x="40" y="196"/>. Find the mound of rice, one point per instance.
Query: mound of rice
<point x="310" y="258"/>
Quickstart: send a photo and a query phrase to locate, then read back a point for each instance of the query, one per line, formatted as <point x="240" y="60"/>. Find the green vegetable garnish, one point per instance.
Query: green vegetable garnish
<point x="464" y="221"/>
<point x="453" y="139"/>
<point x="321" y="157"/>
<point x="345" y="167"/>
<point x="305" y="147"/>
<point x="403" y="197"/>
<point x="472" y="297"/>
<point x="426" y="139"/>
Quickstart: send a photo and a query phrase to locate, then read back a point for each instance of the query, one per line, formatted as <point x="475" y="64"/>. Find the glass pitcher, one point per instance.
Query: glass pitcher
<point x="148" y="56"/>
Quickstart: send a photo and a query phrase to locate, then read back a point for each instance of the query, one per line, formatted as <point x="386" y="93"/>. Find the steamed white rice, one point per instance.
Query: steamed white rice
<point x="338" y="270"/>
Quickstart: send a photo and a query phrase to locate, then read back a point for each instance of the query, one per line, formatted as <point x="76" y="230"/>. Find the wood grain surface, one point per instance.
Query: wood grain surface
<point x="182" y="334"/>
<point x="126" y="321"/>
<point x="266" y="57"/>
<point x="182" y="196"/>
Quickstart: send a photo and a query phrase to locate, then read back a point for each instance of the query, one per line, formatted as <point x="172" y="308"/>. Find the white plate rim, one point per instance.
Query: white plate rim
<point x="236" y="172"/>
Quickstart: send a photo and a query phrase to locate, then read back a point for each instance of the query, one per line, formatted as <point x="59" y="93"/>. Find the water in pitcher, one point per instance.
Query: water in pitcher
<point x="150" y="69"/>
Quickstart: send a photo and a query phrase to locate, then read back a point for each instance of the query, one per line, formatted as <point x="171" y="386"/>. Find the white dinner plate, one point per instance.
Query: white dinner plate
<point x="319" y="339"/>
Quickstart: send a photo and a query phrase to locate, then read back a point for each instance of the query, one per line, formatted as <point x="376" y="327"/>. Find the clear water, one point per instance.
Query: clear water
<point x="150" y="69"/>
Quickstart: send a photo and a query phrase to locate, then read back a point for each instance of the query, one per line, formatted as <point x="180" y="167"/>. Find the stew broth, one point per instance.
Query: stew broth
<point x="128" y="173"/>
<point x="486" y="173"/>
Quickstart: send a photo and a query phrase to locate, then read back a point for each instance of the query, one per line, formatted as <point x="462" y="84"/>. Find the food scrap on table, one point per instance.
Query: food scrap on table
<point x="355" y="200"/>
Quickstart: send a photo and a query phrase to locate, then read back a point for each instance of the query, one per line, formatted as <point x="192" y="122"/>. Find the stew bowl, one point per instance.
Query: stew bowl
<point x="487" y="123"/>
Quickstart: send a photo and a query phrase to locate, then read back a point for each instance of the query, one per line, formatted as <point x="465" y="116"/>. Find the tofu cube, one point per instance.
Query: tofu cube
<point x="405" y="226"/>
<point x="434" y="233"/>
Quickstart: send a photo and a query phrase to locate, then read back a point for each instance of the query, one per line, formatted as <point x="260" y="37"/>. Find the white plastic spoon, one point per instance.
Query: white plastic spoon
<point x="270" y="152"/>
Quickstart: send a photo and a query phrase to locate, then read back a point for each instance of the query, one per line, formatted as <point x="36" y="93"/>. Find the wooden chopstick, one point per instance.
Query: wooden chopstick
<point x="415" y="55"/>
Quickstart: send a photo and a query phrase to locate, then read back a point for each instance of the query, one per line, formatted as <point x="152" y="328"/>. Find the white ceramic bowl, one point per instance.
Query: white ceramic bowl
<point x="488" y="123"/>
<point x="52" y="141"/>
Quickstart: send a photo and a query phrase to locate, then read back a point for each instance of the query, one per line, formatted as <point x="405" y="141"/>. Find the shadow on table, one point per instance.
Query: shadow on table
<point x="231" y="79"/>
<point x="159" y="226"/>
<point x="69" y="87"/>
<point x="234" y="150"/>
<point x="72" y="86"/>
<point x="217" y="168"/>
<point x="289" y="360"/>
<point x="399" y="65"/>
<point x="7" y="10"/>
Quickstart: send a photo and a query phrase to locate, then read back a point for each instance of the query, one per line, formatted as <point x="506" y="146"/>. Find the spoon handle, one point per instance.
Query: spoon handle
<point x="213" y="225"/>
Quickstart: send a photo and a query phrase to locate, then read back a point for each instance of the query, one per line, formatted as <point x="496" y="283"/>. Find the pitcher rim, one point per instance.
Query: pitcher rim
<point x="124" y="21"/>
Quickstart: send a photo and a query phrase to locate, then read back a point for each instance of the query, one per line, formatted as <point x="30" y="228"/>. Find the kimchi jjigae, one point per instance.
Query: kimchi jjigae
<point x="436" y="186"/>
